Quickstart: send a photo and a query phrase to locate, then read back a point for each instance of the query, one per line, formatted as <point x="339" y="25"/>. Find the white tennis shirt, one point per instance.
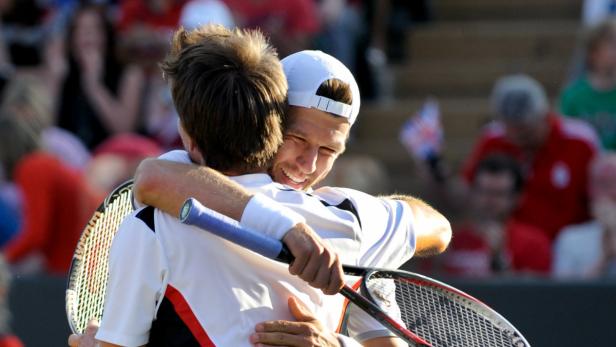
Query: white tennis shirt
<point x="176" y="285"/>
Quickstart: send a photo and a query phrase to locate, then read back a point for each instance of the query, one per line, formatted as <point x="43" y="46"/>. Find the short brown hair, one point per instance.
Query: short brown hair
<point x="230" y="91"/>
<point x="336" y="90"/>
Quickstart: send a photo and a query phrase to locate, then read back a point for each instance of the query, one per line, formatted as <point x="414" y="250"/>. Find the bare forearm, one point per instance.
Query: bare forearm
<point x="119" y="114"/>
<point x="166" y="185"/>
<point x="433" y="229"/>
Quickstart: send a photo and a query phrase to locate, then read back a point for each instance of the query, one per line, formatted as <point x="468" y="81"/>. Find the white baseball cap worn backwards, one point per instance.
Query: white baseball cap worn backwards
<point x="307" y="70"/>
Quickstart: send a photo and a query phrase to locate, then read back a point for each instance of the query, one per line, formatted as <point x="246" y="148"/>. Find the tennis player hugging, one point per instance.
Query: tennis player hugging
<point x="174" y="285"/>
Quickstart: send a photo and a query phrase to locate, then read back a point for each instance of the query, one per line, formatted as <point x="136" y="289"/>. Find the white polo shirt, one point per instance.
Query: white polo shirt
<point x="176" y="285"/>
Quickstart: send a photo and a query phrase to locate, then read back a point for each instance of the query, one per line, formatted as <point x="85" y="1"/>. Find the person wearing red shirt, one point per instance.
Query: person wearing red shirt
<point x="490" y="241"/>
<point x="554" y="153"/>
<point x="290" y="25"/>
<point x="155" y="14"/>
<point x="57" y="203"/>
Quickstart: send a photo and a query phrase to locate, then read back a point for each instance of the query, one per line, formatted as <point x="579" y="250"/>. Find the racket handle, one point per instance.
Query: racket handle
<point x="194" y="213"/>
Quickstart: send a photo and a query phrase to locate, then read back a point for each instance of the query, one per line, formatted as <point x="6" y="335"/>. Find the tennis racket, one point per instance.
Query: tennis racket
<point x="427" y="312"/>
<point x="87" y="279"/>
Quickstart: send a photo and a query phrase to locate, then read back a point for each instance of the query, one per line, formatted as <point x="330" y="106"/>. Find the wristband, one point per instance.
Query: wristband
<point x="269" y="217"/>
<point x="346" y="341"/>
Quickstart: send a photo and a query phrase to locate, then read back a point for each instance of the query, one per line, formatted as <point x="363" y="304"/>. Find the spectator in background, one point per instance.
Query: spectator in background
<point x="163" y="15"/>
<point x="160" y="117"/>
<point x="100" y="95"/>
<point x="115" y="160"/>
<point x="589" y="250"/>
<point x="341" y="27"/>
<point x="28" y="98"/>
<point x="145" y="28"/>
<point x="57" y="203"/>
<point x="593" y="96"/>
<point x="290" y="25"/>
<point x="554" y="154"/>
<point x="490" y="241"/>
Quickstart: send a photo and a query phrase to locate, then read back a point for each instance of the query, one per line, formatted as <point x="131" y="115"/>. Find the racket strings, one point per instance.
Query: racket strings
<point x="89" y="281"/>
<point x="435" y="314"/>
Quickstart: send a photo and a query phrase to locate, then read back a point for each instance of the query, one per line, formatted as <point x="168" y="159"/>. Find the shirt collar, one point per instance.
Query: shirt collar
<point x="252" y="179"/>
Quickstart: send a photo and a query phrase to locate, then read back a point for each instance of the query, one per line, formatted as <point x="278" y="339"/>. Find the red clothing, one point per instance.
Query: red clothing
<point x="57" y="206"/>
<point x="279" y="16"/>
<point x="133" y="12"/>
<point x="556" y="189"/>
<point x="10" y="341"/>
<point x="526" y="249"/>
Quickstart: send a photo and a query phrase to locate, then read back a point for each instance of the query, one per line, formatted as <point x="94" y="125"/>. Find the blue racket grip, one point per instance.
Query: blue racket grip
<point x="194" y="213"/>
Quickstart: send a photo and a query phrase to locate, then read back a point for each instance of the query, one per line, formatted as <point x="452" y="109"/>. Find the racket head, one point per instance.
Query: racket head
<point x="87" y="278"/>
<point x="437" y="312"/>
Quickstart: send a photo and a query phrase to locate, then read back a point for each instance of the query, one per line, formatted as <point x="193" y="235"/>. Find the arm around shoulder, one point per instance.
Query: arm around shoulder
<point x="166" y="185"/>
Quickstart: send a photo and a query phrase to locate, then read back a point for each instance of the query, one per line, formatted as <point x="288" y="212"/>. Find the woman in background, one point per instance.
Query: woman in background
<point x="100" y="96"/>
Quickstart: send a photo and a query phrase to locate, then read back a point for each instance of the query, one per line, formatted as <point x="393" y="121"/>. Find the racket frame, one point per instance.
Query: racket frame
<point x="451" y="292"/>
<point x="75" y="273"/>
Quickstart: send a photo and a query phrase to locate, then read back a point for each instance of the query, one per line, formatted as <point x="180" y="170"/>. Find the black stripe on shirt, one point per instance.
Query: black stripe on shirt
<point x="147" y="216"/>
<point x="346" y="205"/>
<point x="169" y="329"/>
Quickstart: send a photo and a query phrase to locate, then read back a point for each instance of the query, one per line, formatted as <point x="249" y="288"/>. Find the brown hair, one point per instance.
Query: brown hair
<point x="230" y="92"/>
<point x="336" y="90"/>
<point x="600" y="33"/>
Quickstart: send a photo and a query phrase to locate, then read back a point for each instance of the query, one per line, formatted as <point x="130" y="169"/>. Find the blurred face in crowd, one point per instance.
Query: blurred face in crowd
<point x="312" y="142"/>
<point x="89" y="31"/>
<point x="603" y="57"/>
<point x="603" y="190"/>
<point x="493" y="195"/>
<point x="528" y="134"/>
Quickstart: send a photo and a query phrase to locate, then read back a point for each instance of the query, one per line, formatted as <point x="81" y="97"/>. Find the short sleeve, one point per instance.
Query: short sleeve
<point x="137" y="273"/>
<point x="387" y="226"/>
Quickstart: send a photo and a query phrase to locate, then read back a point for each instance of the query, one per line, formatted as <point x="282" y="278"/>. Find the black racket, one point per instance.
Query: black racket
<point x="423" y="311"/>
<point x="87" y="279"/>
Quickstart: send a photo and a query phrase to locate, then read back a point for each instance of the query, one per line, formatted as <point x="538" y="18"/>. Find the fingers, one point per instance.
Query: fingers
<point x="302" y="255"/>
<point x="87" y="338"/>
<point x="92" y="327"/>
<point x="281" y="333"/>
<point x="73" y="340"/>
<point x="336" y="278"/>
<point x="277" y="339"/>
<point x="300" y="311"/>
<point x="314" y="262"/>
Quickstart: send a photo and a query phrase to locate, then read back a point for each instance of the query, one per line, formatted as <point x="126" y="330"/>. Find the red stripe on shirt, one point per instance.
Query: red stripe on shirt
<point x="187" y="316"/>
<point x="346" y="305"/>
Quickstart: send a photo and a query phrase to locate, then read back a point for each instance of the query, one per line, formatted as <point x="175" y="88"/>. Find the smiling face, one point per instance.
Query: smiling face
<point x="312" y="143"/>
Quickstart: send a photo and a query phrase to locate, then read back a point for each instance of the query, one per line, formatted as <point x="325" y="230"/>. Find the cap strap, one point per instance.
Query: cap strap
<point x="322" y="103"/>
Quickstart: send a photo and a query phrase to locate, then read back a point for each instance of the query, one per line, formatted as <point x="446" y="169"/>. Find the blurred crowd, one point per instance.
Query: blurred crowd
<point x="537" y="194"/>
<point x="82" y="102"/>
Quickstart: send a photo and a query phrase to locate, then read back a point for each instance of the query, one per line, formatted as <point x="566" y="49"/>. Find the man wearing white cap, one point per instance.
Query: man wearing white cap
<point x="324" y="102"/>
